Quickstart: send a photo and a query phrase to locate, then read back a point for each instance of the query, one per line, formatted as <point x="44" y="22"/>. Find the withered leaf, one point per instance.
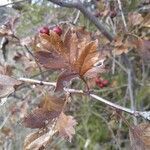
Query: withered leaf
<point x="53" y="103"/>
<point x="140" y="137"/>
<point x="50" y="108"/>
<point x="135" y="18"/>
<point x="146" y="21"/>
<point x="143" y="47"/>
<point x="38" y="140"/>
<point x="120" y="47"/>
<point x="7" y="29"/>
<point x="7" y="85"/>
<point x="64" y="79"/>
<point x="39" y="118"/>
<point x="65" y="126"/>
<point x="76" y="54"/>
<point x="50" y="60"/>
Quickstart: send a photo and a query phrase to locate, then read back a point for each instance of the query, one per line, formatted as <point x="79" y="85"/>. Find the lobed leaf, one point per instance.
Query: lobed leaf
<point x="77" y="55"/>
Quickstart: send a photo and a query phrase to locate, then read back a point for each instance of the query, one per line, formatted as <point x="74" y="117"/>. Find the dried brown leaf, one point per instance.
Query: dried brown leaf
<point x="77" y="54"/>
<point x="50" y="60"/>
<point x="50" y="108"/>
<point x="143" y="47"/>
<point x="39" y="118"/>
<point x="135" y="18"/>
<point x="140" y="137"/>
<point x="120" y="47"/>
<point x="7" y="85"/>
<point x="65" y="126"/>
<point x="87" y="50"/>
<point x="53" y="103"/>
<point x="38" y="140"/>
<point x="71" y="43"/>
<point x="53" y="41"/>
<point x="146" y="21"/>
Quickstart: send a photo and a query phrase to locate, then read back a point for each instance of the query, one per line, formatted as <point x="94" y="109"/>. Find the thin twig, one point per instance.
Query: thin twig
<point x="37" y="81"/>
<point x="5" y="120"/>
<point x="145" y="115"/>
<point x="76" y="18"/>
<point x="130" y="87"/>
<point x="119" y="64"/>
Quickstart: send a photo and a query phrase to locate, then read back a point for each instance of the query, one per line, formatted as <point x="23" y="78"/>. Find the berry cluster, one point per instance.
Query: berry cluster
<point x="101" y="83"/>
<point x="56" y="29"/>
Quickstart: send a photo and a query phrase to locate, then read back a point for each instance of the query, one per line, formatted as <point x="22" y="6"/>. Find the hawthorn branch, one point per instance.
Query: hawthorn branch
<point x="33" y="81"/>
<point x="145" y="115"/>
<point x="78" y="5"/>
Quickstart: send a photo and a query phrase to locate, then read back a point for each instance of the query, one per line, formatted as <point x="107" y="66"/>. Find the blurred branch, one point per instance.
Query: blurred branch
<point x="13" y="3"/>
<point x="135" y="113"/>
<point x="78" y="5"/>
<point x="77" y="17"/>
<point x="122" y="15"/>
<point x="5" y="120"/>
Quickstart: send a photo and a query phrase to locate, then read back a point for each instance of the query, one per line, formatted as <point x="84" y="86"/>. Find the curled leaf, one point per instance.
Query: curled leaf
<point x="39" y="139"/>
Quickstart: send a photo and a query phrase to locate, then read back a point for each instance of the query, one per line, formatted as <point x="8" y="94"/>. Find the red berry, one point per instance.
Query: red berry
<point x="113" y="14"/>
<point x="97" y="14"/>
<point x="101" y="85"/>
<point x="44" y="30"/>
<point x="105" y="82"/>
<point x="57" y="30"/>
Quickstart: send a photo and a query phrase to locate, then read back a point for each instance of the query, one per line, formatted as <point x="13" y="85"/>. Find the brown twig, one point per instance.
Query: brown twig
<point x="78" y="5"/>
